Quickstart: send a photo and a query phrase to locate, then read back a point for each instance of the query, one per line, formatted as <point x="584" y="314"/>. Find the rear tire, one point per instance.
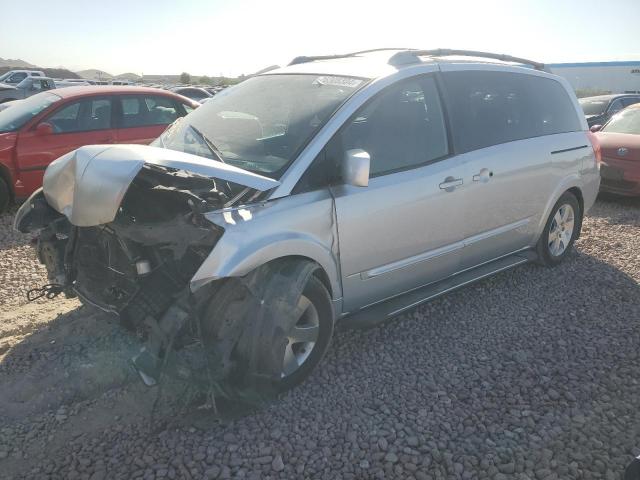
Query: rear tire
<point x="561" y="230"/>
<point x="5" y="196"/>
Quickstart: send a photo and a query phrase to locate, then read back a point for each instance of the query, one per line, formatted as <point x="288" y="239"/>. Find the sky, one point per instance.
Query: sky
<point x="213" y="37"/>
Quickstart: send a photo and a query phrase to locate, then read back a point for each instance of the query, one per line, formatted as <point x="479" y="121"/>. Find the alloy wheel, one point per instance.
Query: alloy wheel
<point x="302" y="337"/>
<point x="561" y="230"/>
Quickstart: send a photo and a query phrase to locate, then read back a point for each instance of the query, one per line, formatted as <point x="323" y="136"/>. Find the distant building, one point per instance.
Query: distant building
<point x="610" y="77"/>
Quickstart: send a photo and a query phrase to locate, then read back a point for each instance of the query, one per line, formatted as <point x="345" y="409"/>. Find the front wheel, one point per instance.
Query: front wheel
<point x="561" y="230"/>
<point x="266" y="332"/>
<point x="310" y="335"/>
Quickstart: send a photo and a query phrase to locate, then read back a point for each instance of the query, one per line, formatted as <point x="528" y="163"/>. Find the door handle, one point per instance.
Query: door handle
<point x="450" y="184"/>
<point x="483" y="175"/>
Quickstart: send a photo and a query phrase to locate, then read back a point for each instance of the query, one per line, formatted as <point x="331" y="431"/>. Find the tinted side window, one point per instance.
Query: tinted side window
<point x="401" y="128"/>
<point x="82" y="116"/>
<point x="615" y="106"/>
<point x="162" y="110"/>
<point x="553" y="110"/>
<point x="489" y="108"/>
<point x="138" y="111"/>
<point x="17" y="77"/>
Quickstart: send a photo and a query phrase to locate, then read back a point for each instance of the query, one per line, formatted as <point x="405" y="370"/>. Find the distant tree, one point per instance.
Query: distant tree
<point x="206" y="80"/>
<point x="185" y="77"/>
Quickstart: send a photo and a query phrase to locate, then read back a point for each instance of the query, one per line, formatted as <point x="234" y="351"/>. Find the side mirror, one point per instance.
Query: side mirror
<point x="596" y="128"/>
<point x="44" y="129"/>
<point x="355" y="167"/>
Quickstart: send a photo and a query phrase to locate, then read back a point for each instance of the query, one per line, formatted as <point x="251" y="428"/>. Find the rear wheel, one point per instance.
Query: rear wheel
<point x="561" y="230"/>
<point x="5" y="195"/>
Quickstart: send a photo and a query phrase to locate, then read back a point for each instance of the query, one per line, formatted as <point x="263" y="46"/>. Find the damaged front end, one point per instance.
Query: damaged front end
<point x="123" y="228"/>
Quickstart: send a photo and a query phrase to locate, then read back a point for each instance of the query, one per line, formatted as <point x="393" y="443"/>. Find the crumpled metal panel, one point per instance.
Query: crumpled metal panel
<point x="88" y="189"/>
<point x="88" y="184"/>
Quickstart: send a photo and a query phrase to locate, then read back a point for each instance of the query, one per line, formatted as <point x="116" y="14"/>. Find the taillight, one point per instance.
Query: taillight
<point x="595" y="143"/>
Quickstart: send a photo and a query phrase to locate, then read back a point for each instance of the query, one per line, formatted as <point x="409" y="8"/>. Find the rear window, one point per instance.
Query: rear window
<point x="490" y="108"/>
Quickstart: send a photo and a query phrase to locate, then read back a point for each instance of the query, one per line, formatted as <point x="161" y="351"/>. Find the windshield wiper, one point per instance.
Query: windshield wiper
<point x="212" y="146"/>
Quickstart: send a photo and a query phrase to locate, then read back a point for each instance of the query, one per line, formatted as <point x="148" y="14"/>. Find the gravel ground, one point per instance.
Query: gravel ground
<point x="531" y="374"/>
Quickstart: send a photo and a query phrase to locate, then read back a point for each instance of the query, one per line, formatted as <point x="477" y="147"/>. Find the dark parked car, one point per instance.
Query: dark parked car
<point x="600" y="109"/>
<point x="194" y="93"/>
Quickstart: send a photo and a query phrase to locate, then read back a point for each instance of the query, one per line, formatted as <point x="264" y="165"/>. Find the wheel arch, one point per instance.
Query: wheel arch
<point x="570" y="184"/>
<point x="223" y="262"/>
<point x="577" y="192"/>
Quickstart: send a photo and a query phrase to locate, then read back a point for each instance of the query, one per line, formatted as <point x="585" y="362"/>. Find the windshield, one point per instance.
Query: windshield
<point x="14" y="117"/>
<point x="627" y="121"/>
<point x="261" y="123"/>
<point x="593" y="107"/>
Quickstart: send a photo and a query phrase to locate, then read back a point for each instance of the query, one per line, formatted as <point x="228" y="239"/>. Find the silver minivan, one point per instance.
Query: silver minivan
<point x="345" y="188"/>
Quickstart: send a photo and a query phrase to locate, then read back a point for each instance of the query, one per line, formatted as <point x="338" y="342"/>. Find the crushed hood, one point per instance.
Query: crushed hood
<point x="88" y="184"/>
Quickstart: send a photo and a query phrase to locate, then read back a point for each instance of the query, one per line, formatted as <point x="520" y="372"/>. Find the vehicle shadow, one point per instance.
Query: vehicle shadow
<point x="524" y="348"/>
<point x="67" y="359"/>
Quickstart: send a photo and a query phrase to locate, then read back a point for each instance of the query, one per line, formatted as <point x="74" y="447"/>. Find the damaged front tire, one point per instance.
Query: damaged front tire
<point x="309" y="338"/>
<point x="266" y="332"/>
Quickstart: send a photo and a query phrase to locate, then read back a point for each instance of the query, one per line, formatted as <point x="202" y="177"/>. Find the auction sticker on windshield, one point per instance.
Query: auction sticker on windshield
<point x="338" y="81"/>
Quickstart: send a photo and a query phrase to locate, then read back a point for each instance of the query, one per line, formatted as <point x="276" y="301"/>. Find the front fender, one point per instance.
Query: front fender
<point x="302" y="225"/>
<point x="230" y="258"/>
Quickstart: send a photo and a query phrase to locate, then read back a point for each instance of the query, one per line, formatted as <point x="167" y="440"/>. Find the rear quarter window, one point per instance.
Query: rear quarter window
<point x="490" y="108"/>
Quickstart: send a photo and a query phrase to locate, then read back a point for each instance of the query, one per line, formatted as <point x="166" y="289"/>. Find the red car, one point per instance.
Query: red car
<point x="41" y="128"/>
<point x="620" y="143"/>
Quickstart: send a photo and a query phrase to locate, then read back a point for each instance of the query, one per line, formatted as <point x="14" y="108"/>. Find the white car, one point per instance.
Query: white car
<point x="13" y="77"/>
<point x="27" y="87"/>
<point x="71" y="82"/>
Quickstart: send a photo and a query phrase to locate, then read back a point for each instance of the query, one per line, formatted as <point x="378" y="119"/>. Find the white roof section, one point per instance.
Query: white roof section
<point x="378" y="64"/>
<point x="371" y="65"/>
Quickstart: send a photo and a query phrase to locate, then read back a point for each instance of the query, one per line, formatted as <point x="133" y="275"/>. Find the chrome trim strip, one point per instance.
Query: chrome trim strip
<point x="406" y="262"/>
<point x="459" y="272"/>
<point x="444" y="250"/>
<point x="496" y="231"/>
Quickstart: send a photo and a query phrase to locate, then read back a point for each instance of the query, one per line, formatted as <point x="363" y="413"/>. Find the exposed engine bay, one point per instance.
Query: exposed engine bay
<point x="139" y="265"/>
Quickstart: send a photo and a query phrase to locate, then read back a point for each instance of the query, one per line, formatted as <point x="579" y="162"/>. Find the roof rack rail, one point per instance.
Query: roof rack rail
<point x="411" y="56"/>
<point x="307" y="59"/>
